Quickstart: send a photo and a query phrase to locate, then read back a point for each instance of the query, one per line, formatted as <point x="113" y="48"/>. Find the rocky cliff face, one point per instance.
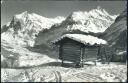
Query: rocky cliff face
<point x="116" y="34"/>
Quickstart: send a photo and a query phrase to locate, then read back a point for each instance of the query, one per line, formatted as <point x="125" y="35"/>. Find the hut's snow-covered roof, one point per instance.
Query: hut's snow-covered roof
<point x="85" y="39"/>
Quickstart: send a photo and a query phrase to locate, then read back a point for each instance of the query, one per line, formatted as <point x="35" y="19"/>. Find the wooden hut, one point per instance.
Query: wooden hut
<point x="78" y="48"/>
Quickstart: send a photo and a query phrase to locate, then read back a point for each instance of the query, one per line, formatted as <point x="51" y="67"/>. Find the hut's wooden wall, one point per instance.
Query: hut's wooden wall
<point x="90" y="54"/>
<point x="71" y="51"/>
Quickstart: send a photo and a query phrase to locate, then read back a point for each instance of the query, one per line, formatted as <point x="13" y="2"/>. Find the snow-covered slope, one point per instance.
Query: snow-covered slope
<point x="16" y="56"/>
<point x="24" y="27"/>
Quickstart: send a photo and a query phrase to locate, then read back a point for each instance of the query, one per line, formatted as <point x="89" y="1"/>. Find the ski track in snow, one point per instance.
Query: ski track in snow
<point x="107" y="73"/>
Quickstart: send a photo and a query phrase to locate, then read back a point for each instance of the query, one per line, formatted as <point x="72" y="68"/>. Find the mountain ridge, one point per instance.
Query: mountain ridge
<point x="25" y="28"/>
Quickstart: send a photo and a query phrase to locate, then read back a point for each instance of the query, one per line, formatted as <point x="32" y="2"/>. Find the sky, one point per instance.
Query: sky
<point x="55" y="8"/>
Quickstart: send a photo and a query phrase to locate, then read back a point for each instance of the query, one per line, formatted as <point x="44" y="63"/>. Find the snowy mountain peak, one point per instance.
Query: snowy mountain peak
<point x="102" y="12"/>
<point x="22" y="15"/>
<point x="25" y="26"/>
<point x="95" y="20"/>
<point x="26" y="17"/>
<point x="99" y="8"/>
